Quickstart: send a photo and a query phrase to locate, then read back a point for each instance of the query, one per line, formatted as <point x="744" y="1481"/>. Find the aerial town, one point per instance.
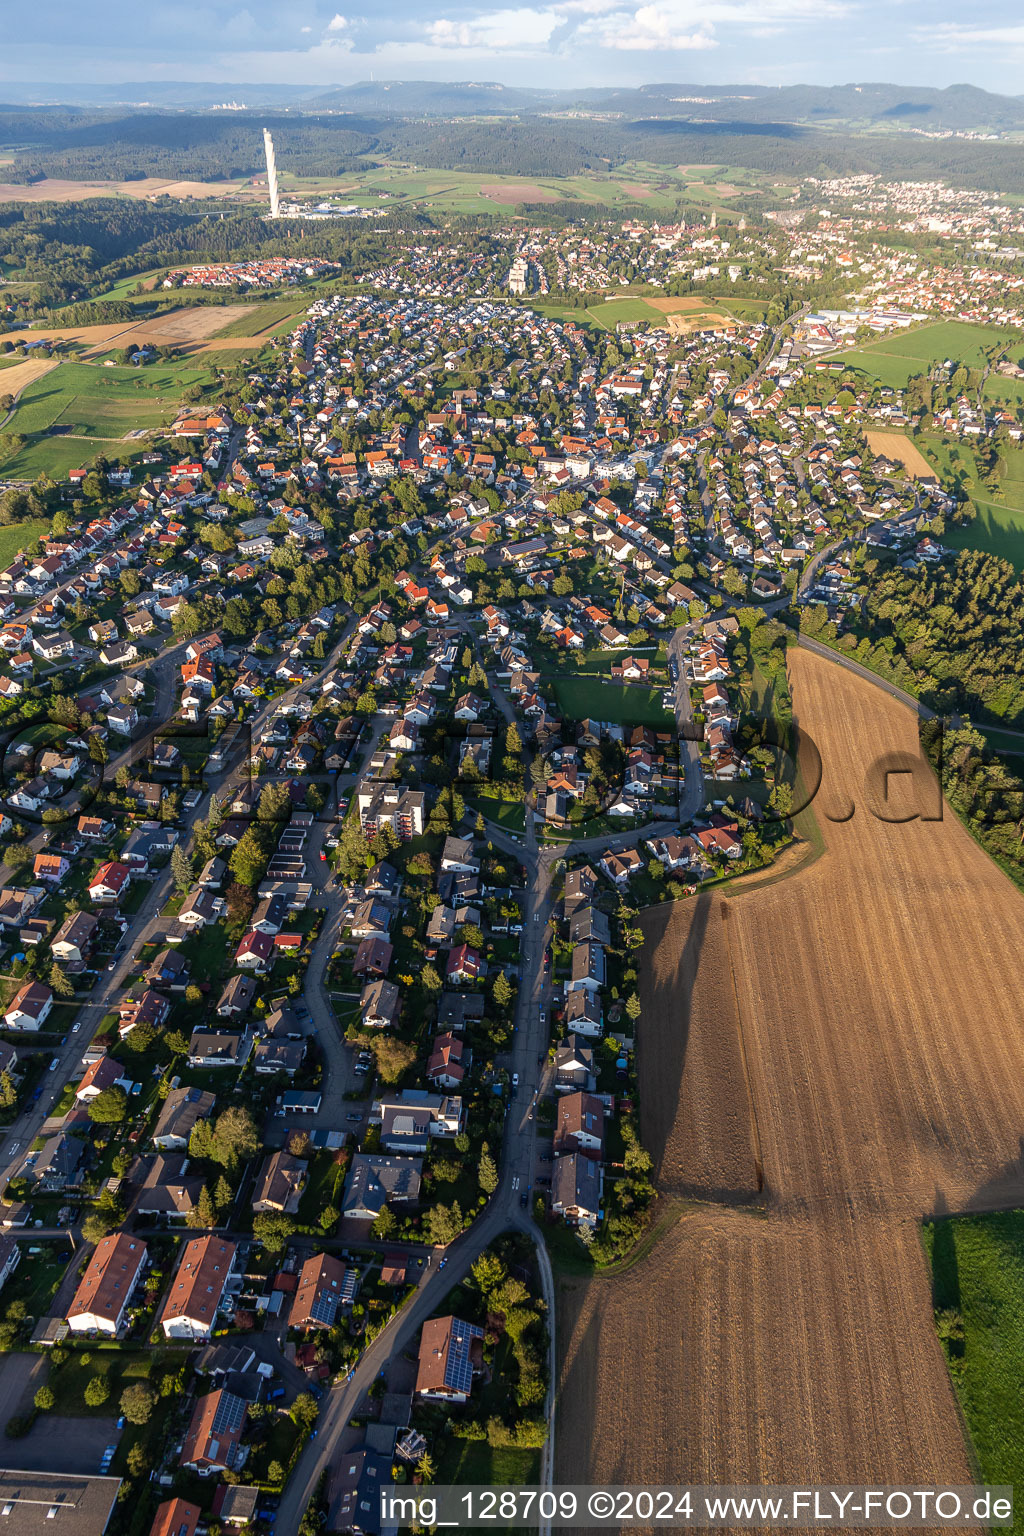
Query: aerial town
<point x="352" y="720"/>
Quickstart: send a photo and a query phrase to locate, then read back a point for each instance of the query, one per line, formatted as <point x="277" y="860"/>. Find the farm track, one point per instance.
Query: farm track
<point x="787" y="1336"/>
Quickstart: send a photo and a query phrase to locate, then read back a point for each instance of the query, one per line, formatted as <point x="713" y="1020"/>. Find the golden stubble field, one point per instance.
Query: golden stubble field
<point x="188" y="329"/>
<point x="893" y="445"/>
<point x="851" y="1038"/>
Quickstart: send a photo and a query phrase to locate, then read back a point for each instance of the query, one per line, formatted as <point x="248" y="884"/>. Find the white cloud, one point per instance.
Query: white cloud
<point x="587" y="7"/>
<point x="338" y="23"/>
<point x="504" y="31"/>
<point x="950" y="36"/>
<point x="648" y="29"/>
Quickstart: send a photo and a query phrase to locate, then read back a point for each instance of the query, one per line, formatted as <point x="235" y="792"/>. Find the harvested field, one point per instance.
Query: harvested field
<point x="519" y="192"/>
<point x="53" y="190"/>
<point x="14" y="379"/>
<point x="195" y="324"/>
<point x="790" y="1338"/>
<point x="677" y="305"/>
<point x="895" y="446"/>
<point x="635" y="188"/>
<point x="178" y="327"/>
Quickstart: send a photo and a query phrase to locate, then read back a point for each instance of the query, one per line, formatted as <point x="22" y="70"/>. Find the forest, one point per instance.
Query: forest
<point x="950" y="633"/>
<point x="196" y="146"/>
<point x="120" y="145"/>
<point x="77" y="250"/>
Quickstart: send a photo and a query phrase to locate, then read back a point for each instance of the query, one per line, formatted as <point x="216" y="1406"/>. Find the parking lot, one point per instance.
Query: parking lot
<point x="55" y="1443"/>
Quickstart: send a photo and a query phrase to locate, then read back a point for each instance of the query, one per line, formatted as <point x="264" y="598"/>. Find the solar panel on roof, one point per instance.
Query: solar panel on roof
<point x="324" y="1308"/>
<point x="458" y="1369"/>
<point x="230" y="1414"/>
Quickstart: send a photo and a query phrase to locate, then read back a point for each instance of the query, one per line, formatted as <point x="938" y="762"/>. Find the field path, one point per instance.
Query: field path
<point x="854" y="1034"/>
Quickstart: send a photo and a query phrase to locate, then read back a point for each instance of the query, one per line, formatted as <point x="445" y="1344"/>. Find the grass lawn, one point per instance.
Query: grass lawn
<point x="38" y="1275"/>
<point x="18" y="537"/>
<point x="978" y="1272"/>
<point x="474" y="1461"/>
<point x="119" y="1368"/>
<point x="507" y="814"/>
<point x="100" y="402"/>
<point x="998" y="528"/>
<point x="582" y="698"/>
<point x="894" y="359"/>
<point x="58" y="455"/>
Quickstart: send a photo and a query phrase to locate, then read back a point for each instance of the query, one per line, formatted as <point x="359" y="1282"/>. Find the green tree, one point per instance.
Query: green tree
<point x="200" y="1141"/>
<point x="305" y="1411"/>
<point x="272" y="1229"/>
<point x="138" y="1461"/>
<point x="489" y="1272"/>
<point x="487" y="1174"/>
<point x="248" y="862"/>
<point x="393" y="1057"/>
<point x="8" y="1090"/>
<point x="44" y="1398"/>
<point x="110" y="1106"/>
<point x="204" y="1212"/>
<point x="275" y="803"/>
<point x="59" y="983"/>
<point x="181" y="868"/>
<point x="97" y="1390"/>
<point x="235" y="1137"/>
<point x="444" y="1224"/>
<point x="385" y="1224"/>
<point x="501" y="991"/>
<point x="137" y="1403"/>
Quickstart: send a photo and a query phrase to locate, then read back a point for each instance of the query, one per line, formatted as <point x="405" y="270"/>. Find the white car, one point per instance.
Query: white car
<point x="515" y="1079"/>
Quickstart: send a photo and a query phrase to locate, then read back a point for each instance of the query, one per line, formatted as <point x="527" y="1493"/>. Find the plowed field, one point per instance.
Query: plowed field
<point x="854" y="1035"/>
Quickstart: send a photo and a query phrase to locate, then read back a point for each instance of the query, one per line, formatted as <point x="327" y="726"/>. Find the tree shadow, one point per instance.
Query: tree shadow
<point x="674" y="996"/>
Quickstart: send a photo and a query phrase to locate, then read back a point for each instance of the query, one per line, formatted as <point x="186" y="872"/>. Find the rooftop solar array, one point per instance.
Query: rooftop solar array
<point x="458" y="1369"/>
<point x="230" y="1414"/>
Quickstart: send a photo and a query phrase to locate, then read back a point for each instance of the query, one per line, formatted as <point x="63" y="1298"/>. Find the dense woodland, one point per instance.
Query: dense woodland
<point x="985" y="792"/>
<point x="76" y="251"/>
<point x="121" y="145"/>
<point x="950" y="633"/>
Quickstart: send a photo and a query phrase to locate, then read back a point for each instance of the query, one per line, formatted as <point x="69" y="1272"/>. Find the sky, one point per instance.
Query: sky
<point x="552" y="43"/>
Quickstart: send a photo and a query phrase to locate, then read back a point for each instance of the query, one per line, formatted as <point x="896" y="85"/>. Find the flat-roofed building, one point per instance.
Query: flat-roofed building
<point x="56" y="1503"/>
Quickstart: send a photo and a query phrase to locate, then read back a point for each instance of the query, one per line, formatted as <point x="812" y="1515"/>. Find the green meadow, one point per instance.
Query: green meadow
<point x="895" y="359"/>
<point x="998" y="528"/>
<point x="977" y="1265"/>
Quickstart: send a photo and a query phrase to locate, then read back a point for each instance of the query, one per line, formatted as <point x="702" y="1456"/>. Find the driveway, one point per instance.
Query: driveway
<point x="20" y="1375"/>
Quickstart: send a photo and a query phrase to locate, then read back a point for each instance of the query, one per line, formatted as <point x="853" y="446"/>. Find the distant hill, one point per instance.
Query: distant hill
<point x="863" y="106"/>
<point x="434" y="98"/>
